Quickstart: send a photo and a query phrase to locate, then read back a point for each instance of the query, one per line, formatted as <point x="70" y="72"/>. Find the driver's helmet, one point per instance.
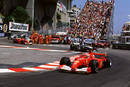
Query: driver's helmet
<point x="90" y="50"/>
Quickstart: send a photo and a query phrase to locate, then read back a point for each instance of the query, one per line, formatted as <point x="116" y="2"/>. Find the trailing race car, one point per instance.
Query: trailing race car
<point x="13" y="36"/>
<point x="55" y="39"/>
<point x="22" y="39"/>
<point x="75" y="43"/>
<point x="89" y="62"/>
<point x="27" y="40"/>
<point x="102" y="43"/>
<point x="87" y="44"/>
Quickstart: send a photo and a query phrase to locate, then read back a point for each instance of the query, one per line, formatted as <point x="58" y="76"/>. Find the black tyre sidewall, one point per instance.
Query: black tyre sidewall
<point x="65" y="61"/>
<point x="94" y="66"/>
<point x="107" y="63"/>
<point x="71" y="47"/>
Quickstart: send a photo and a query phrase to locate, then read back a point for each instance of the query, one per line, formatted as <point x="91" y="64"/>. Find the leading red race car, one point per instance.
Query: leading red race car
<point x="89" y="62"/>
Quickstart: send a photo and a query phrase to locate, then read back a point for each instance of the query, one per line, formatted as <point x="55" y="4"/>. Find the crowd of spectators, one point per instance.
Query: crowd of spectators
<point x="94" y="20"/>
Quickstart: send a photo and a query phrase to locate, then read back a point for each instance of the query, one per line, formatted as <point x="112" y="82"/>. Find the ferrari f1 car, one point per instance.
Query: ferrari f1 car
<point x="88" y="63"/>
<point x="22" y="39"/>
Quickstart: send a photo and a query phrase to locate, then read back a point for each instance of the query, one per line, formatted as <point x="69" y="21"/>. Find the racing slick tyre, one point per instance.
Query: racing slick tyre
<point x="22" y="42"/>
<point x="94" y="66"/>
<point x="78" y="48"/>
<point x="108" y="62"/>
<point x="71" y="47"/>
<point x="65" y="61"/>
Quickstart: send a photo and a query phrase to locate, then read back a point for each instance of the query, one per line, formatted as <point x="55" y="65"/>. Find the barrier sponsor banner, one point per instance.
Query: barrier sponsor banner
<point x="3" y="28"/>
<point x="2" y="34"/>
<point x="18" y="27"/>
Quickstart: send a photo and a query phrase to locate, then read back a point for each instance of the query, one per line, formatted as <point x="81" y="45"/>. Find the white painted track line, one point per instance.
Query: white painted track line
<point x="5" y="71"/>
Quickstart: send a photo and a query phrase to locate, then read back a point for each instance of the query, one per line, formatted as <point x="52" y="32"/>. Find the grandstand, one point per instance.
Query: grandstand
<point x="95" y="20"/>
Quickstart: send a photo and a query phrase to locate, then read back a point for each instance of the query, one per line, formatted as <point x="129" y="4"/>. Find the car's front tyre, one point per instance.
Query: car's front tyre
<point x="71" y="47"/>
<point x="108" y="62"/>
<point x="65" y="61"/>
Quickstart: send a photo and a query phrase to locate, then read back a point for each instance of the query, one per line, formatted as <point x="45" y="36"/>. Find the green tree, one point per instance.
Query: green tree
<point x="8" y="19"/>
<point x="20" y="15"/>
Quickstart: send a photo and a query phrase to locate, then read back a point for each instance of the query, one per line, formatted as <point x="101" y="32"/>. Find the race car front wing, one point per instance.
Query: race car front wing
<point x="67" y="68"/>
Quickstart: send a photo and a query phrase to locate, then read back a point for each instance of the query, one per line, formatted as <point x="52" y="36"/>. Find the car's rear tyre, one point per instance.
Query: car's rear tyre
<point x="71" y="47"/>
<point x="108" y="62"/>
<point x="94" y="66"/>
<point x="22" y="42"/>
<point x="78" y="48"/>
<point x="65" y="61"/>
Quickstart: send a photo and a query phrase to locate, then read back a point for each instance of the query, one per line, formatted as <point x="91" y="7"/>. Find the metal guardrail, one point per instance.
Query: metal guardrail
<point x="121" y="46"/>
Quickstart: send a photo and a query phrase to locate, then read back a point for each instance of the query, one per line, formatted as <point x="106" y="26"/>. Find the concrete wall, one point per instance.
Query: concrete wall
<point x="7" y="6"/>
<point x="44" y="9"/>
<point x="67" y="3"/>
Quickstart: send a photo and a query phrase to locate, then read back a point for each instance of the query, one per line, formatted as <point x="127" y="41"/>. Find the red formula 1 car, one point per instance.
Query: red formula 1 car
<point x="22" y="40"/>
<point x="55" y="39"/>
<point x="89" y="62"/>
<point x="102" y="44"/>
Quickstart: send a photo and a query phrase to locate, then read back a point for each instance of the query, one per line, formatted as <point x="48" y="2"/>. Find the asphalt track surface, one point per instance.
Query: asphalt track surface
<point x="117" y="76"/>
<point x="4" y="41"/>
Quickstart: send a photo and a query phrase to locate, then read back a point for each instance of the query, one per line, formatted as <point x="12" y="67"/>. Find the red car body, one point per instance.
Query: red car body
<point x="22" y="40"/>
<point x="55" y="39"/>
<point x="90" y="61"/>
<point x="102" y="43"/>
